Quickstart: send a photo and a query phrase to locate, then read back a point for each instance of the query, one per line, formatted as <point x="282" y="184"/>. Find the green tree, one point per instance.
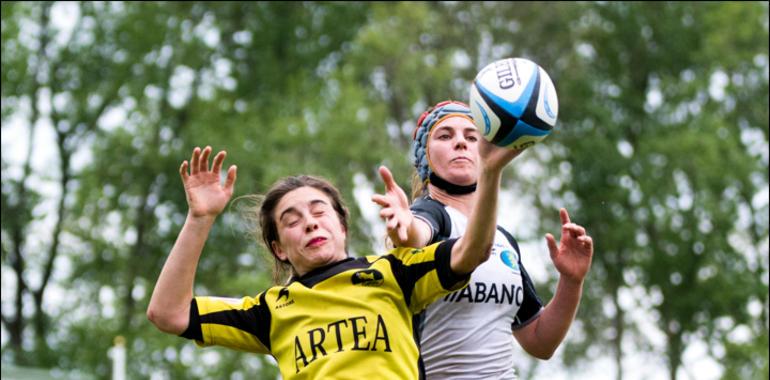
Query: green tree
<point x="204" y="66"/>
<point x="662" y="189"/>
<point x="660" y="151"/>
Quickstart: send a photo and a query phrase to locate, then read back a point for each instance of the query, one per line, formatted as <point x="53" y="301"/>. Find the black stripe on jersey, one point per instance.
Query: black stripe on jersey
<point x="446" y="275"/>
<point x="511" y="240"/>
<point x="315" y="276"/>
<point x="194" y="325"/>
<point x="255" y="321"/>
<point x="531" y="306"/>
<point x="408" y="275"/>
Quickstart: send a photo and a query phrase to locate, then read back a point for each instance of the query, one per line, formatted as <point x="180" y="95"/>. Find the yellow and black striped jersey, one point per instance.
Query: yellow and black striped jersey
<point x="348" y="320"/>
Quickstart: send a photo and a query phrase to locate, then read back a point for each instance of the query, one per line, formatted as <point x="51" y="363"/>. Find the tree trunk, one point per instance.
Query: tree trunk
<point x="16" y="324"/>
<point x="142" y="216"/>
<point x="40" y="319"/>
<point x="619" y="330"/>
<point x="674" y="352"/>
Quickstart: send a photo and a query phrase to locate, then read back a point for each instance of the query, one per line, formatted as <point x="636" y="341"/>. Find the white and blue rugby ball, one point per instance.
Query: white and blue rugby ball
<point x="513" y="102"/>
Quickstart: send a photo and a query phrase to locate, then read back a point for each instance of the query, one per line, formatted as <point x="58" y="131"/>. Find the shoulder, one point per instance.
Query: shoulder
<point x="426" y="203"/>
<point x="511" y="240"/>
<point x="435" y="214"/>
<point x="429" y="253"/>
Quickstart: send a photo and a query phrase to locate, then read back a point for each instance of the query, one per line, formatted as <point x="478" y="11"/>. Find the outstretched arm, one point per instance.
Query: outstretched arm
<point x="572" y="258"/>
<point x="474" y="247"/>
<point x="169" y="308"/>
<point x="404" y="230"/>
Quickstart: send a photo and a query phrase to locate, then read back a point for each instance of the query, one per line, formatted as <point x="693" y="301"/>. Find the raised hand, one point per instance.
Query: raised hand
<point x="395" y="208"/>
<point x="494" y="157"/>
<point x="572" y="257"/>
<point x="206" y="197"/>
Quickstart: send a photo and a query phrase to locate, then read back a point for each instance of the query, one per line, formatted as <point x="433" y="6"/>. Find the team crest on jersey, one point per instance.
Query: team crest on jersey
<point x="368" y="277"/>
<point x="511" y="260"/>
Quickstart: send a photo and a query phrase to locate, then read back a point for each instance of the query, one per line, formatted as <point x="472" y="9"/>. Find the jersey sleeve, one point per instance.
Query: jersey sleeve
<point x="241" y="324"/>
<point x="425" y="274"/>
<point x="531" y="306"/>
<point x="434" y="214"/>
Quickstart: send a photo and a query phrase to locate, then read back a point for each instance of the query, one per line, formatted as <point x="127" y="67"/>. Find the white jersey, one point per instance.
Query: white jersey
<point x="468" y="334"/>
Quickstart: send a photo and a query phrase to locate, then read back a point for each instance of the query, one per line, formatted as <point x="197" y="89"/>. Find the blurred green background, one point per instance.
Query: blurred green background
<point x="660" y="151"/>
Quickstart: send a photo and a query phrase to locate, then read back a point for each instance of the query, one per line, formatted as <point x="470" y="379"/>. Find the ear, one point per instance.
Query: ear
<point x="278" y="251"/>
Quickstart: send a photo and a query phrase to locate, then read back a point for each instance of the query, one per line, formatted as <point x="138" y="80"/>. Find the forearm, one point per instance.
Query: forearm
<point x="551" y="326"/>
<point x="170" y="302"/>
<point x="474" y="246"/>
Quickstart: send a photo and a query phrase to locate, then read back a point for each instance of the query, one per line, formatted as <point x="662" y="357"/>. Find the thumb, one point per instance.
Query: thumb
<point x="552" y="247"/>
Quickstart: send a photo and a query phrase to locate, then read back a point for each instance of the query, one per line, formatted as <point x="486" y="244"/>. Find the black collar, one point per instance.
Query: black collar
<point x="317" y="275"/>
<point x="450" y="187"/>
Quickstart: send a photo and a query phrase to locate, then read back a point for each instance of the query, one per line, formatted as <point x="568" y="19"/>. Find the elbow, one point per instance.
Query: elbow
<point x="542" y="353"/>
<point x="467" y="263"/>
<point x="485" y="256"/>
<point x="480" y="259"/>
<point x="152" y="315"/>
<point x="155" y="317"/>
<point x="163" y="322"/>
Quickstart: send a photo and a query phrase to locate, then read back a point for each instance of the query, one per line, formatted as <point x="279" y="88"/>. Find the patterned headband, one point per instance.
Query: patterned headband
<point x="425" y="124"/>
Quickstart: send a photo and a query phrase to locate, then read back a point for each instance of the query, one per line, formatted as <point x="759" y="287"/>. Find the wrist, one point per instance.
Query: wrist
<point x="571" y="282"/>
<point x="487" y="177"/>
<point x="200" y="220"/>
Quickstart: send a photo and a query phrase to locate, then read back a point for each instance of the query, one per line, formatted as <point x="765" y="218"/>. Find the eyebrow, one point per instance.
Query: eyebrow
<point x="451" y="128"/>
<point x="292" y="210"/>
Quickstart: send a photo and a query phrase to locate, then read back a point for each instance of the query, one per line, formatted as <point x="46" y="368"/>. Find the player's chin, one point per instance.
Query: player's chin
<point x="463" y="176"/>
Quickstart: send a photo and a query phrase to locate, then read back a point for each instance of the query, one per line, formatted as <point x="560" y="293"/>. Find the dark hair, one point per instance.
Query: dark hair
<point x="264" y="209"/>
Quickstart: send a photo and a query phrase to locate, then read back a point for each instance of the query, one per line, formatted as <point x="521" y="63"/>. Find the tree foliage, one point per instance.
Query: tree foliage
<point x="661" y="151"/>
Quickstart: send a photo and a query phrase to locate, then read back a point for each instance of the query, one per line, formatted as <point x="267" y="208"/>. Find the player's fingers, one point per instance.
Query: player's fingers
<point x="204" y="163"/>
<point x="392" y="223"/>
<point x="387" y="178"/>
<point x="380" y="200"/>
<point x="586" y="241"/>
<point x="194" y="161"/>
<point x="386" y="213"/>
<point x="574" y="229"/>
<point x="183" y="171"/>
<point x="218" y="160"/>
<point x="552" y="248"/>
<point x="232" y="173"/>
<point x="564" y="215"/>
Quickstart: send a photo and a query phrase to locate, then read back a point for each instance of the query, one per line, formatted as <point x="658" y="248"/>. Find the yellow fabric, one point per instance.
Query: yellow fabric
<point x="351" y="325"/>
